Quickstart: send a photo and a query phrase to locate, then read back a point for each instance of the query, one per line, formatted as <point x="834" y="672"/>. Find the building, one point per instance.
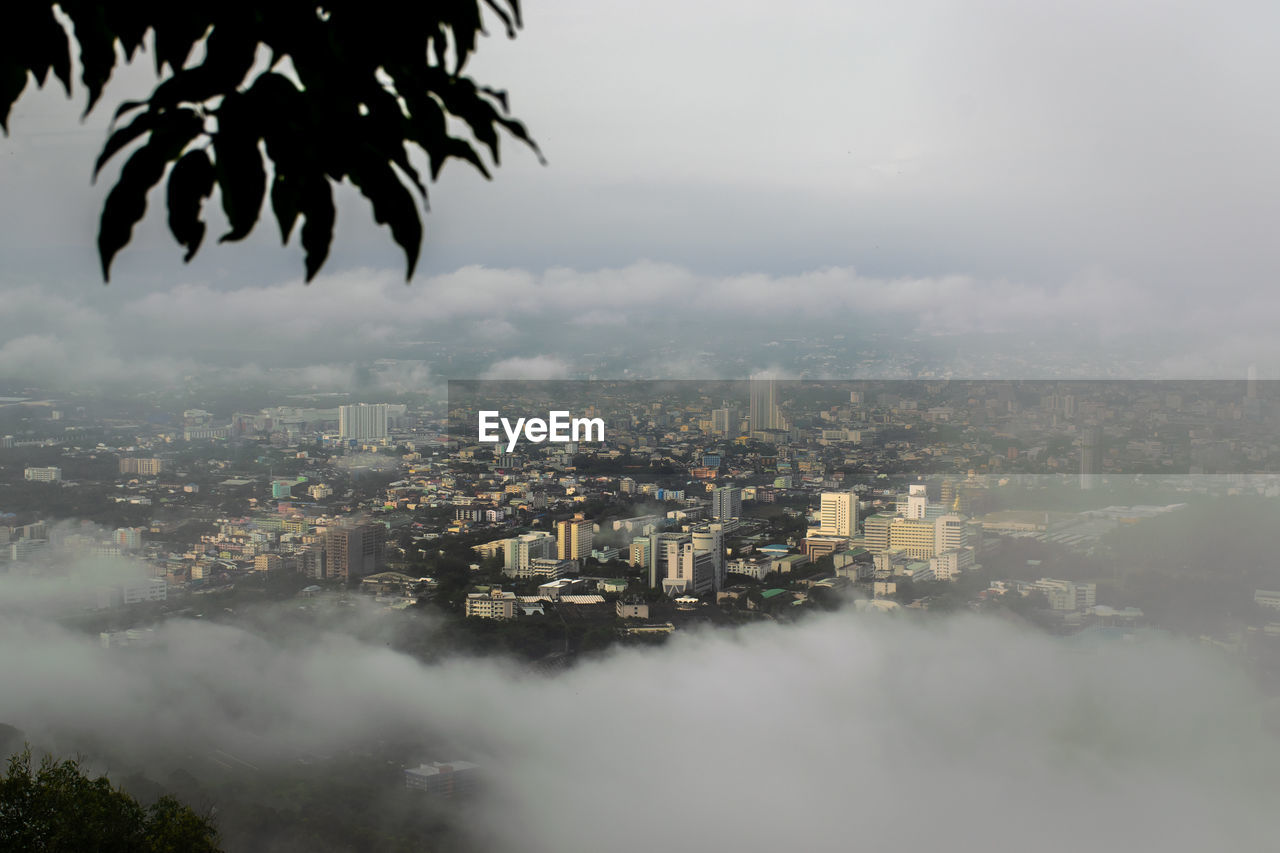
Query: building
<point x="573" y="538"/>
<point x="549" y="568"/>
<point x="42" y="475"/>
<point x="950" y="532"/>
<point x="917" y="501"/>
<point x="726" y="503"/>
<point x="520" y="552"/>
<point x="664" y="554"/>
<point x="268" y="563"/>
<point x="141" y="466"/>
<point x="355" y="550"/>
<point x="916" y="538"/>
<point x="640" y="551"/>
<point x="128" y="538"/>
<point x="1068" y="596"/>
<point x="441" y="779"/>
<point x="494" y="604"/>
<point x="363" y="422"/>
<point x="1090" y="457"/>
<point x="838" y="514"/>
<point x="710" y="538"/>
<point x="876" y="531"/>
<point x="132" y="592"/>
<point x="694" y="572"/>
<point x="1267" y="598"/>
<point x="765" y="414"/>
<point x="635" y="609"/>
<point x="950" y="564"/>
<point x="724" y="421"/>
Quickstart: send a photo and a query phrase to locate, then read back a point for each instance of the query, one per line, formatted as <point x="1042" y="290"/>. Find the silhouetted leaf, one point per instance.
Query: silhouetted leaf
<point x="122" y="137"/>
<point x="317" y="230"/>
<point x="127" y="202"/>
<point x="97" y="47"/>
<point x="190" y="183"/>
<point x="366" y="88"/>
<point x="242" y="180"/>
<point x="392" y="204"/>
<point x="12" y="82"/>
<point x="286" y="202"/>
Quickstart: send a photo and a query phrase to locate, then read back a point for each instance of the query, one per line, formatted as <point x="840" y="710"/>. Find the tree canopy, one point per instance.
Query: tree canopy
<point x="330" y="91"/>
<point x="57" y="807"/>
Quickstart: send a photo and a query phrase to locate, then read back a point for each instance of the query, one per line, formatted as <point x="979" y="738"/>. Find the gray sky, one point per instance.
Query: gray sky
<point x="975" y="167"/>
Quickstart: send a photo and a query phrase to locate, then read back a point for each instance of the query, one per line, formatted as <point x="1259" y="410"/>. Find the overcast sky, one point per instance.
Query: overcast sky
<point x="957" y="167"/>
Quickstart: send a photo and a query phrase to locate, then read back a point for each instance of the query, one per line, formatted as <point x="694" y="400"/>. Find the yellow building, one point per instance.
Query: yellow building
<point x="573" y="538"/>
<point x="914" y="537"/>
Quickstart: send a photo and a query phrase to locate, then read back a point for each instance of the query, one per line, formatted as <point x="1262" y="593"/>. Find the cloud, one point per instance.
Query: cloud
<point x="535" y="367"/>
<point x="768" y="736"/>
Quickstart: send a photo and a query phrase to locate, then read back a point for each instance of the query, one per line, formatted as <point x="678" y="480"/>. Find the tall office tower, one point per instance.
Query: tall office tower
<point x="838" y="514"/>
<point x="363" y="421"/>
<point x="709" y="538"/>
<point x="573" y="538"/>
<point x="664" y="553"/>
<point x="1090" y="457"/>
<point x="694" y="571"/>
<point x="917" y="501"/>
<point x="726" y="502"/>
<point x="1251" y="383"/>
<point x="950" y="532"/>
<point x="724" y="421"/>
<point x="354" y="550"/>
<point x="764" y="405"/>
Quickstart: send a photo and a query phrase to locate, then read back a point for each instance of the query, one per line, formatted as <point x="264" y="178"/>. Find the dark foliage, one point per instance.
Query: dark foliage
<point x="366" y="85"/>
<point x="55" y="806"/>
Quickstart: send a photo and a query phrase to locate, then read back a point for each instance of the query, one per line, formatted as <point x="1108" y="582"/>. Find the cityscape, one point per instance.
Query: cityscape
<point x="558" y="427"/>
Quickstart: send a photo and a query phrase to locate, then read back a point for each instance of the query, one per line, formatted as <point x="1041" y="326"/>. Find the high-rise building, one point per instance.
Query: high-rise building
<point x="917" y="501"/>
<point x="838" y="514"/>
<point x="1090" y="457"/>
<point x="726" y="502"/>
<point x="641" y="552"/>
<point x="363" y="421"/>
<point x="573" y="538"/>
<point x="765" y="413"/>
<point x="724" y="421"/>
<point x="42" y="475"/>
<point x="950" y="532"/>
<point x="709" y="538"/>
<point x="664" y="553"/>
<point x="355" y="550"/>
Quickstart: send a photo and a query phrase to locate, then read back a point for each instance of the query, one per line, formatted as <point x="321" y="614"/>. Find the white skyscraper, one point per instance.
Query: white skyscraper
<point x="726" y="502"/>
<point x="838" y="515"/>
<point x="364" y="421"/>
<point x="917" y="501"/>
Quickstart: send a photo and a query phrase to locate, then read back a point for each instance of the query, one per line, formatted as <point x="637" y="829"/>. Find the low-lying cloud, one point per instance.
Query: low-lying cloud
<point x="843" y="731"/>
<point x="512" y="323"/>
